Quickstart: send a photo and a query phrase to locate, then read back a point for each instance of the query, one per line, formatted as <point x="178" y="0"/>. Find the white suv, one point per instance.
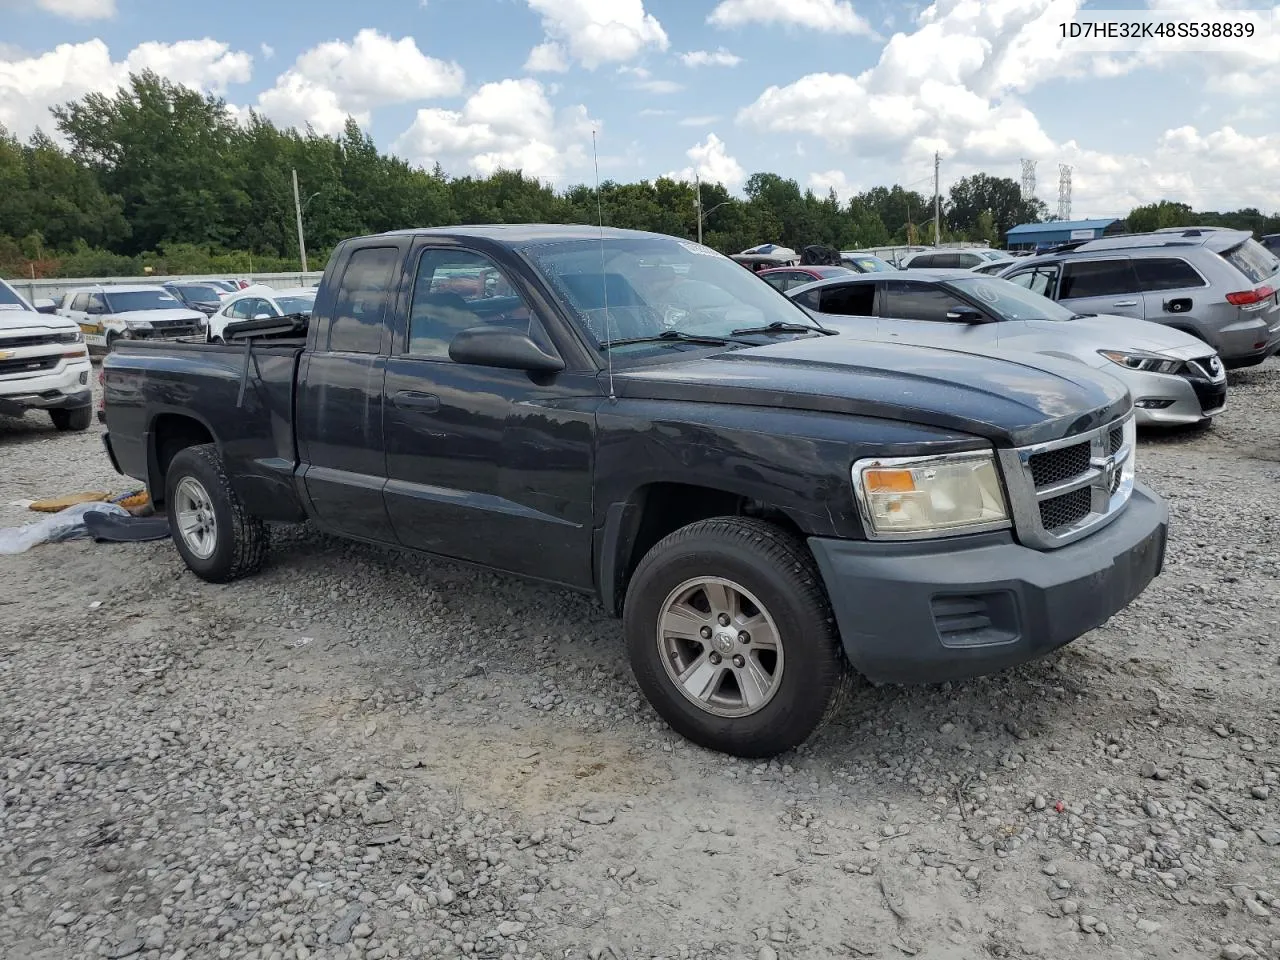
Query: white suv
<point x="139" y="312"/>
<point x="44" y="364"/>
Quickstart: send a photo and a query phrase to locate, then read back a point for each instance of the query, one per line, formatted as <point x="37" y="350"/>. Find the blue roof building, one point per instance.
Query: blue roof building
<point x="1037" y="236"/>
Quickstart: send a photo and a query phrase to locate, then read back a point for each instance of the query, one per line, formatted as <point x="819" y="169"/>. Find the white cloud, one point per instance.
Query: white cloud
<point x="826" y="180"/>
<point x="547" y="57"/>
<point x="509" y="125"/>
<point x="334" y="80"/>
<point x="655" y="112"/>
<point x="659" y="86"/>
<point x="595" y="32"/>
<point x="828" y="16"/>
<point x="698" y="121"/>
<point x="267" y="51"/>
<point x="712" y="163"/>
<point x="79" y="9"/>
<point x="31" y="85"/>
<point x="953" y="83"/>
<point x="710" y="58"/>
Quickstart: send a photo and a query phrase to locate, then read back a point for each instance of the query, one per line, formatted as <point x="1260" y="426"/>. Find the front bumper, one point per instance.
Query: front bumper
<point x="925" y="612"/>
<point x="66" y="387"/>
<point x="1184" y="400"/>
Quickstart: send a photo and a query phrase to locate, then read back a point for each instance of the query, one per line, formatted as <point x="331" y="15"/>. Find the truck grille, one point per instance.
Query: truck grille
<point x="36" y="340"/>
<point x="28" y="364"/>
<point x="1060" y="491"/>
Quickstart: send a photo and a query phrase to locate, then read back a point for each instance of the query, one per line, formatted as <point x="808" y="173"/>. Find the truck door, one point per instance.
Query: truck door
<point x="487" y="465"/>
<point x="339" y="406"/>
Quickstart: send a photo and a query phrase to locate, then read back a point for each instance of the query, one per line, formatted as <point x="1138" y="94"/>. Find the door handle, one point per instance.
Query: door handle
<point x="1125" y="303"/>
<point x="413" y="400"/>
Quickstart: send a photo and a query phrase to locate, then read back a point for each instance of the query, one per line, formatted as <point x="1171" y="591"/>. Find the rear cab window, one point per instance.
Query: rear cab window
<point x="1252" y="259"/>
<point x="364" y="294"/>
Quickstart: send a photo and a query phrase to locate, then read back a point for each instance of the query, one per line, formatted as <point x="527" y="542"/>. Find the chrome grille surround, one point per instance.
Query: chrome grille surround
<point x="1054" y="514"/>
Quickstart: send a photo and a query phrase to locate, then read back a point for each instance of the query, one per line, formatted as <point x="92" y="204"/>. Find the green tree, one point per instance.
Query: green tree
<point x="999" y="197"/>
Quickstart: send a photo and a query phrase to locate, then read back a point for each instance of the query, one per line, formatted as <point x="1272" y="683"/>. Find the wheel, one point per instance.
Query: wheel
<point x="217" y="538"/>
<point x="732" y="639"/>
<point x="75" y="418"/>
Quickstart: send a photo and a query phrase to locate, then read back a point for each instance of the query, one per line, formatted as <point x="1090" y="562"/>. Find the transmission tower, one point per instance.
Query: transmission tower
<point x="1028" y="179"/>
<point x="1064" y="191"/>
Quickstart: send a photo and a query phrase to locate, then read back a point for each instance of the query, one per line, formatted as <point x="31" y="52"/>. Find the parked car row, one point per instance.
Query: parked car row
<point x="175" y="310"/>
<point x="1174" y="378"/>
<point x="1219" y="286"/>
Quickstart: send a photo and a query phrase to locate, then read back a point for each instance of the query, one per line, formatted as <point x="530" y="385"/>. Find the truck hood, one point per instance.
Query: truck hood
<point x="134" y="316"/>
<point x="1011" y="400"/>
<point x="13" y="320"/>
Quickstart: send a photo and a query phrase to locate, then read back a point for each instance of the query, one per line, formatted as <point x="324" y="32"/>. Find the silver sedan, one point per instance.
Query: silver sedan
<point x="1174" y="378"/>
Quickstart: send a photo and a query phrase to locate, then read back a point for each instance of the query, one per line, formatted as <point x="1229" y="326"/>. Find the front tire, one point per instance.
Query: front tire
<point x="732" y="639"/>
<point x="216" y="537"/>
<point x="76" y="418"/>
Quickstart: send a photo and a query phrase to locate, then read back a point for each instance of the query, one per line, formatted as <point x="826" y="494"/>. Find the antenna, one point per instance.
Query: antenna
<point x="1028" y="179"/>
<point x="604" y="279"/>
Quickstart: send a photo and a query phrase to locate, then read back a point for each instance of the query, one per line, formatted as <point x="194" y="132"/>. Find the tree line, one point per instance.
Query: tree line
<point x="162" y="177"/>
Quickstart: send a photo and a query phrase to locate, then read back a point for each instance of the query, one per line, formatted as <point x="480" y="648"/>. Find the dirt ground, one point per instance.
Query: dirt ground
<point x="363" y="754"/>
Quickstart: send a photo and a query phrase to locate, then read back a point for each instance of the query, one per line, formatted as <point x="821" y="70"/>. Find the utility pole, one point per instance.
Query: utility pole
<point x="297" y="207"/>
<point x="937" y="201"/>
<point x="697" y="186"/>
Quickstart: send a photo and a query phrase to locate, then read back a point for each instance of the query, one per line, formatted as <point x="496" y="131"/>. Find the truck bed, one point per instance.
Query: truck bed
<point x="160" y="391"/>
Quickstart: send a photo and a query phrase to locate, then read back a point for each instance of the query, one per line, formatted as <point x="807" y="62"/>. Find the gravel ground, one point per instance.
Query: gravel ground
<point x="363" y="754"/>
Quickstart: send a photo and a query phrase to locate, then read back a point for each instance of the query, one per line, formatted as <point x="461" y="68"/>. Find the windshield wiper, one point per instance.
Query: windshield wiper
<point x="672" y="336"/>
<point x="1081" y="316"/>
<point x="783" y="326"/>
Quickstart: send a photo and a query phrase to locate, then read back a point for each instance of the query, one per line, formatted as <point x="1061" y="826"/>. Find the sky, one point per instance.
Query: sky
<point x="836" y="94"/>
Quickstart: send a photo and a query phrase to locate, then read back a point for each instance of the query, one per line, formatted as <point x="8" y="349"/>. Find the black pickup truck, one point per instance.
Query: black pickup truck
<point x="762" y="502"/>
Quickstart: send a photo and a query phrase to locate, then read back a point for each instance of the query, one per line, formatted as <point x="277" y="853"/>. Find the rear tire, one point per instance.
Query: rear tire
<point x="702" y="674"/>
<point x="75" y="418"/>
<point x="216" y="537"/>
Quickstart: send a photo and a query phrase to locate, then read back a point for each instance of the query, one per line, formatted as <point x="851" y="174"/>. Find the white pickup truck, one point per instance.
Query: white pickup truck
<point x="44" y="364"/>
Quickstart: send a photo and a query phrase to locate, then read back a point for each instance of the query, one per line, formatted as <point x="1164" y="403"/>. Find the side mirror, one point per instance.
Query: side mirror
<point x="965" y="315"/>
<point x="45" y="306"/>
<point x="262" y="316"/>
<point x="504" y="348"/>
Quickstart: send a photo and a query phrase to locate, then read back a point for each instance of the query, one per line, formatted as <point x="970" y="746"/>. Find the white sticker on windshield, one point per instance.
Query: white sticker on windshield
<point x="697" y="248"/>
<point x="987" y="293"/>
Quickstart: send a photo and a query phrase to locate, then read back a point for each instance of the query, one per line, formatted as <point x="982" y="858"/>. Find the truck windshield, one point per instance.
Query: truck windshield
<point x="637" y="288"/>
<point x="1008" y="301"/>
<point x="141" y="300"/>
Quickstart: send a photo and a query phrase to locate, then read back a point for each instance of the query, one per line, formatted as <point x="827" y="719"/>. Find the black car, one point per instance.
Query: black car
<point x="198" y="296"/>
<point x="764" y="502"/>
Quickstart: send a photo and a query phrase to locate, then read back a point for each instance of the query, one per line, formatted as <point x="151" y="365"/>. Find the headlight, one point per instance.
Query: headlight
<point x="1136" y="360"/>
<point x="138" y="324"/>
<point x="914" y="497"/>
<point x="76" y="336"/>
